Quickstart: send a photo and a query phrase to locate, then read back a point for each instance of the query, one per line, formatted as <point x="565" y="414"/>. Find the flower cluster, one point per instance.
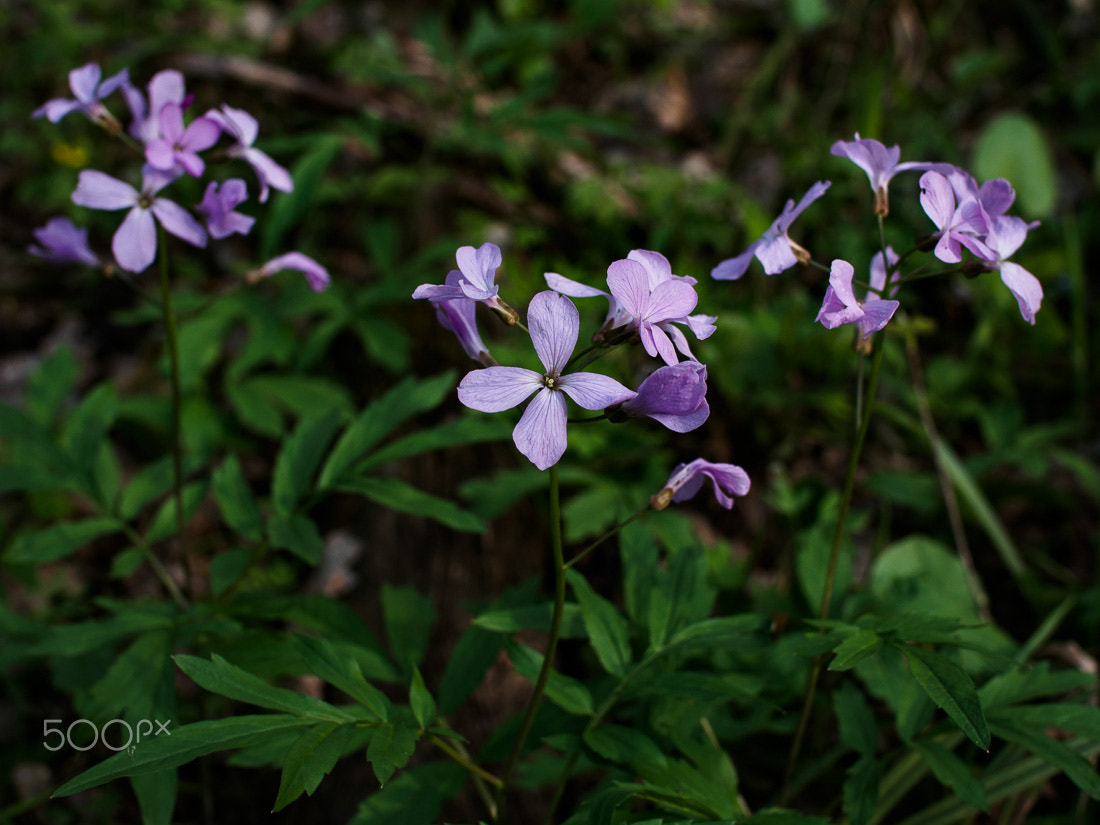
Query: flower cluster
<point x="647" y="304"/>
<point x="171" y="147"/>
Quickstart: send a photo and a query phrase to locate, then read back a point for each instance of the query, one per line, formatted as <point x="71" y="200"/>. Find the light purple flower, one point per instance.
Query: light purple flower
<point x="675" y="396"/>
<point x="474" y="279"/>
<point x="540" y="434"/>
<point x="775" y="250"/>
<point x="959" y="226"/>
<point x="878" y="274"/>
<point x="880" y="164"/>
<point x="178" y="145"/>
<point x="650" y="308"/>
<point x="135" y="242"/>
<point x="245" y="128"/>
<point x="62" y="242"/>
<point x="686" y="480"/>
<point x="218" y="205"/>
<point x="1006" y="237"/>
<point x="316" y="275"/>
<point x="842" y="307"/>
<point x="88" y="91"/>
<point x="459" y="316"/>
<point x="165" y="87"/>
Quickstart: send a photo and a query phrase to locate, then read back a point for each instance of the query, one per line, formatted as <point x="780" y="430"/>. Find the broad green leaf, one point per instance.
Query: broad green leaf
<point x="408" y="615"/>
<point x="448" y="434"/>
<point x="333" y="663"/>
<point x="725" y="633"/>
<point x="235" y="499"/>
<point x="1013" y="146"/>
<point x="309" y="759"/>
<point x="299" y="458"/>
<point x="861" y="789"/>
<point x="397" y="495"/>
<point x="57" y="542"/>
<point x="1056" y="753"/>
<point x="408" y="398"/>
<point x="533" y="617"/>
<point x="857" y="722"/>
<point x="949" y="687"/>
<point x="147" y="485"/>
<point x="186" y="743"/>
<point x="627" y="746"/>
<point x="469" y="661"/>
<point x="50" y="384"/>
<point x="219" y="676"/>
<point x="854" y="648"/>
<point x="416" y="795"/>
<point x="156" y="796"/>
<point x="297" y="533"/>
<point x="420" y="700"/>
<point x="135" y="678"/>
<point x="565" y="692"/>
<point x="391" y="745"/>
<point x="952" y="772"/>
<point x="1024" y="684"/>
<point x="262" y="400"/>
<point x="30" y="444"/>
<point x="639" y="554"/>
<point x="608" y="631"/>
<point x="1080" y="720"/>
<point x="87" y="426"/>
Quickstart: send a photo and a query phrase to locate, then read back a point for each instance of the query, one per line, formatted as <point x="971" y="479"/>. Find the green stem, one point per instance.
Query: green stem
<point x="551" y="644"/>
<point x="174" y="367"/>
<point x="463" y="760"/>
<point x="605" y="537"/>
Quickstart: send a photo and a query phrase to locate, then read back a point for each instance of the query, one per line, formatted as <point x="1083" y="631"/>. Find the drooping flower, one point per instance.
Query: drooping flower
<point x="880" y="164"/>
<point x="474" y="279"/>
<point x="842" y="307"/>
<point x="775" y="250"/>
<point x="459" y="316"/>
<point x="218" y="205"/>
<point x="135" y="242"/>
<point x="316" y="275"/>
<point x="961" y="225"/>
<point x="674" y="395"/>
<point x="245" y="129"/>
<point x="686" y="480"/>
<point x="1007" y="235"/>
<point x="179" y="145"/>
<point x="165" y="87"/>
<point x="62" y="242"/>
<point x="88" y="91"/>
<point x="540" y="434"/>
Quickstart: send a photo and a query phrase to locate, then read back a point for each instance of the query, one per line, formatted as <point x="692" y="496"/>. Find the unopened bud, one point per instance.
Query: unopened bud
<point x="662" y="499"/>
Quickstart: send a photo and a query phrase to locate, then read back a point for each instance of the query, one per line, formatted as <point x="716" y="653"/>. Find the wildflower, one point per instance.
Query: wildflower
<point x="135" y="242"/>
<point x="316" y="275"/>
<point x="675" y="396"/>
<point x="178" y="145"/>
<point x="165" y="87"/>
<point x="245" y="128"/>
<point x="651" y="309"/>
<point x="218" y="205"/>
<point x="458" y="315"/>
<point x="88" y="91"/>
<point x="540" y="434"/>
<point x="842" y="307"/>
<point x="62" y="242"/>
<point x="686" y="480"/>
<point x="880" y="164"/>
<point x="1006" y="237"/>
<point x="959" y="226"/>
<point x="474" y="279"/>
<point x="775" y="250"/>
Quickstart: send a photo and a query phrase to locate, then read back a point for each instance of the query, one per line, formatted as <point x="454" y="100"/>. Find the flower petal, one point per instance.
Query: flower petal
<point x="177" y="220"/>
<point x="554" y="324"/>
<point x="629" y="283"/>
<point x="1026" y="288"/>
<point x="938" y="199"/>
<point x="592" y="390"/>
<point x="540" y="433"/>
<point x="98" y="190"/>
<point x="135" y="242"/>
<point x="657" y="267"/>
<point x="733" y="268"/>
<point x="495" y="389"/>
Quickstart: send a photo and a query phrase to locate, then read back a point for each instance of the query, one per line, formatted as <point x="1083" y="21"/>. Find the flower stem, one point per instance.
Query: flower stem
<point x="551" y="644"/>
<point x="581" y="555"/>
<point x="174" y="368"/>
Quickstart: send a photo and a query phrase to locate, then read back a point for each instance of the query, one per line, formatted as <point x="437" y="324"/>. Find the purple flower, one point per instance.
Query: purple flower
<point x="959" y="226"/>
<point x="458" y="315"/>
<point x="135" y="242"/>
<point x="166" y="87"/>
<point x="540" y="434"/>
<point x="62" y="242"/>
<point x="880" y="164"/>
<point x="316" y="275"/>
<point x="675" y="396"/>
<point x="687" y="479"/>
<point x="245" y="128"/>
<point x="88" y="91"/>
<point x="218" y="205"/>
<point x="775" y="250"/>
<point x="178" y="145"/>
<point x="474" y="280"/>
<point x="1006" y="237"/>
<point x="842" y="307"/>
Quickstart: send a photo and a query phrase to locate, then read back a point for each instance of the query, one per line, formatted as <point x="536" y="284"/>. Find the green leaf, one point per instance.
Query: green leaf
<point x="235" y="499"/>
<point x="861" y="790"/>
<point x="397" y="495"/>
<point x="309" y="760"/>
<point x="156" y="795"/>
<point x="1075" y="766"/>
<point x="724" y="633"/>
<point x="31" y="445"/>
<point x="627" y="746"/>
<point x="1080" y="720"/>
<point x="290" y="208"/>
<point x="299" y="458"/>
<point x="391" y="745"/>
<point x="337" y="666"/>
<point x="227" y="568"/>
<point x="857" y="722"/>
<point x="408" y="398"/>
<point x="416" y="795"/>
<point x="221" y="677"/>
<point x="534" y="617"/>
<point x="420" y="700"/>
<point x="565" y="692"/>
<point x="952" y="772"/>
<point x="87" y="426"/>
<point x="470" y="659"/>
<point x="50" y="384"/>
<point x="449" y="434"/>
<point x="855" y="648"/>
<point x="408" y="615"/>
<point x="951" y="689"/>
<point x="298" y="534"/>
<point x="58" y="541"/>
<point x="608" y="631"/>
<point x="1013" y="146"/>
<point x="185" y="743"/>
<point x="148" y="484"/>
<point x="163" y="524"/>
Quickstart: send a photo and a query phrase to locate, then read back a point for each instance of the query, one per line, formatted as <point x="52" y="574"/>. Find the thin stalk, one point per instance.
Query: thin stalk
<point x="551" y="644"/>
<point x="465" y="761"/>
<point x="834" y="559"/>
<point x="609" y="534"/>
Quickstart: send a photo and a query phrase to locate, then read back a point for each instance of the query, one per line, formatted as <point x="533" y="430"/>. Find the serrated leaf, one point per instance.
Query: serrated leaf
<point x="310" y="758"/>
<point x="565" y="692"/>
<point x="951" y="689"/>
<point x="416" y="795"/>
<point x="1075" y="766"/>
<point x="219" y="676"/>
<point x="724" y="632"/>
<point x="297" y="533"/>
<point x="952" y="772"/>
<point x="420" y="700"/>
<point x="608" y="631"/>
<point x="627" y="746"/>
<point x="397" y="495"/>
<point x="339" y="668"/>
<point x="855" y="648"/>
<point x="58" y="541"/>
<point x="299" y="458"/>
<point x="235" y="499"/>
<point x="391" y="745"/>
